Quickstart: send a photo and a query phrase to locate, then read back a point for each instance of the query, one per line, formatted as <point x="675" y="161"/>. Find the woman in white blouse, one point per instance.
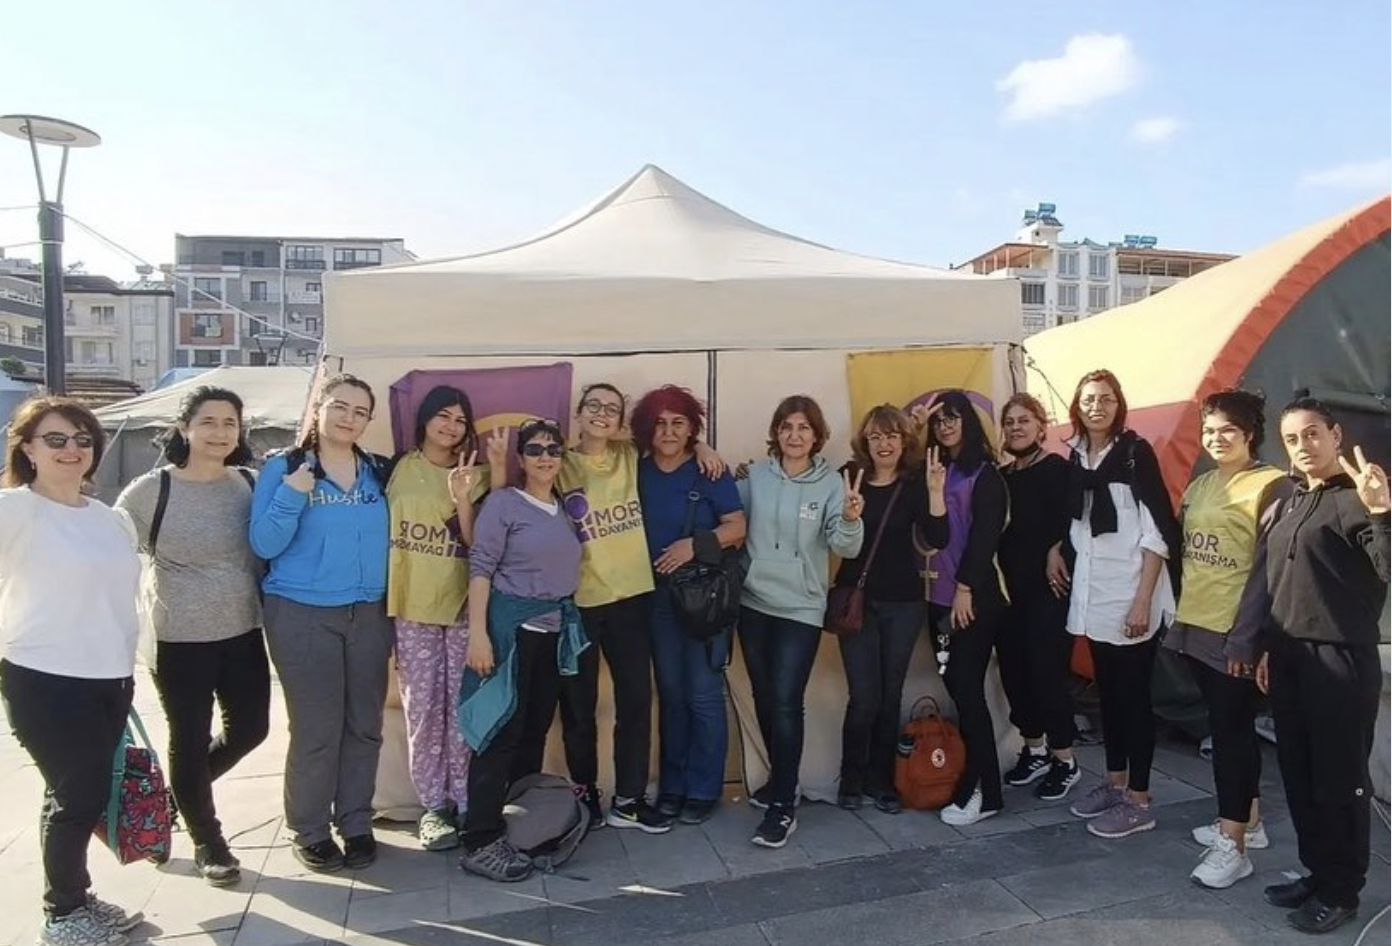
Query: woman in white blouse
<point x="1122" y="535"/>
<point x="68" y="577"/>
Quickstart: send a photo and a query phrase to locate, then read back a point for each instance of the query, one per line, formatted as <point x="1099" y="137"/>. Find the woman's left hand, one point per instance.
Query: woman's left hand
<point x="462" y="478"/>
<point x="963" y="612"/>
<point x="675" y="556"/>
<point x="1137" y="620"/>
<point x="1370" y="480"/>
<point x="708" y="461"/>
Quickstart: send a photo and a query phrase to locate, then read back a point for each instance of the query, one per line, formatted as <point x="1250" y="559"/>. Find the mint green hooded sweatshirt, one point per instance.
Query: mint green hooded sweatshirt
<point x="794" y="525"/>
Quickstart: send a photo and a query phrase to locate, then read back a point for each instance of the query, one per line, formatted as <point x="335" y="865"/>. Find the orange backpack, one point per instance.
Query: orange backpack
<point x="930" y="759"/>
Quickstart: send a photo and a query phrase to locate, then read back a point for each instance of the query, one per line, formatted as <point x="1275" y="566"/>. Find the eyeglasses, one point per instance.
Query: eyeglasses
<point x="596" y="406"/>
<point x="343" y="407"/>
<point x="1105" y="400"/>
<point x="946" y="420"/>
<point x="57" y="441"/>
<point x="892" y="436"/>
<point x="539" y="449"/>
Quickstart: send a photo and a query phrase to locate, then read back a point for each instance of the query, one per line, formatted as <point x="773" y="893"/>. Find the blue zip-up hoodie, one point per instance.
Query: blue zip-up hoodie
<point x="325" y="548"/>
<point x="794" y="525"/>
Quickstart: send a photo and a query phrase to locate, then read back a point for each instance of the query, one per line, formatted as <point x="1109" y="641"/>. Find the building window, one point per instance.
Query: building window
<point x="1130" y="294"/>
<point x="311" y="325"/>
<point x="103" y="314"/>
<point x="233" y="258"/>
<point x="1099" y="266"/>
<point x="1068" y="297"/>
<point x="32" y="337"/>
<point x="1097" y="298"/>
<point x="1032" y="293"/>
<point x="259" y="291"/>
<point x="304" y="257"/>
<point x="95" y="353"/>
<point x="313" y="287"/>
<point x="206" y="358"/>
<point x="6" y="333"/>
<point x="1068" y="265"/>
<point x="1033" y="322"/>
<point x="206" y="288"/>
<point x="144" y="352"/>
<point x="258" y="257"/>
<point x="207" y="326"/>
<point x="143" y="313"/>
<point x="355" y="258"/>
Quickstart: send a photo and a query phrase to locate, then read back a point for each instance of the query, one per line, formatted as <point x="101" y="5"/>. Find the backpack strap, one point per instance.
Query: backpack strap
<point x="246" y="475"/>
<point x="161" y="504"/>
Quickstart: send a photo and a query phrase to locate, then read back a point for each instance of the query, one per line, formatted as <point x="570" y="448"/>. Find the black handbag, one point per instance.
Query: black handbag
<point x="706" y="590"/>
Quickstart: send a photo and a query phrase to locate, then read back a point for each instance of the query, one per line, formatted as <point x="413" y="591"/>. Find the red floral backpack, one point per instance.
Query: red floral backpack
<point x="137" y="823"/>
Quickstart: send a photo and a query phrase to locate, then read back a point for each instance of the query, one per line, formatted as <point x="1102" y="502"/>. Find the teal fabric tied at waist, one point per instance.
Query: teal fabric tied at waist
<point x="487" y="703"/>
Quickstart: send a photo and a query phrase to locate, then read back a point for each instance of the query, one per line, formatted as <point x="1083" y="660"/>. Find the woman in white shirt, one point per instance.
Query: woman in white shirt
<point x="69" y="648"/>
<point x="1122" y="535"/>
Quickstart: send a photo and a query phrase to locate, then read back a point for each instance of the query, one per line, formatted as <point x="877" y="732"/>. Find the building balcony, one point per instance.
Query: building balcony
<point x="90" y="330"/>
<point x="270" y="298"/>
<point x="304" y="297"/>
<point x="311" y="264"/>
<point x="353" y="264"/>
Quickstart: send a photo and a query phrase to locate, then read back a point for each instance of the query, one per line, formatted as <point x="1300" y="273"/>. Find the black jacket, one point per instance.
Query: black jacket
<point x="1327" y="566"/>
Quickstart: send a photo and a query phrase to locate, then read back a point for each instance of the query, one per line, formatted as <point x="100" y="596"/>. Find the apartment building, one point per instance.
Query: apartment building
<point x="1062" y="281"/>
<point x="259" y="300"/>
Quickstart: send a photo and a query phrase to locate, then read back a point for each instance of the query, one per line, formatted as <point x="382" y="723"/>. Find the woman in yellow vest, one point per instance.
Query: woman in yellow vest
<point x="599" y="488"/>
<point x="1222" y="514"/>
<point x="432" y="493"/>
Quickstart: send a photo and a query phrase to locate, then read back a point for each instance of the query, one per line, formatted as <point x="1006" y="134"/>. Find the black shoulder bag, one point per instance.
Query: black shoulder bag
<point x="706" y="590"/>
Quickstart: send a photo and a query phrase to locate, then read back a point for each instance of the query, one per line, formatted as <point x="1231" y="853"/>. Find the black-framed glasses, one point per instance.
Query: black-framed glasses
<point x="946" y="420"/>
<point x="543" y="449"/>
<point x="596" y="406"/>
<point x="57" y="441"/>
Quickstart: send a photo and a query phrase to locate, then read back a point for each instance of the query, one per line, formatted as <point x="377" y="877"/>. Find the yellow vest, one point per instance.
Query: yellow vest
<point x="1220" y="536"/>
<point x="428" y="568"/>
<point x="600" y="494"/>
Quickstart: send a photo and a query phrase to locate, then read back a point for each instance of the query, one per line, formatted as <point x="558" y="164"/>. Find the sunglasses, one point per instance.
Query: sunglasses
<point x="57" y="441"/>
<point x="543" y="449"/>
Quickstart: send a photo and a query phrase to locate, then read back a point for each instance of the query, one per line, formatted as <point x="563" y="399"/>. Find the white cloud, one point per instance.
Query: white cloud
<point x="1353" y="175"/>
<point x="1156" y="130"/>
<point x="1093" y="67"/>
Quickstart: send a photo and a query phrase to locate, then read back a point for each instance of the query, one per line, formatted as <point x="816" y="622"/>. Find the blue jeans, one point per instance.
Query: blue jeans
<point x="876" y="661"/>
<point x="693" y="734"/>
<point x="779" y="654"/>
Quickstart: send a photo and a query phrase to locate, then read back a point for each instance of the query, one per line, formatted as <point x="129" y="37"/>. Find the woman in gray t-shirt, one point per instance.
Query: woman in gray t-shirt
<point x="192" y="517"/>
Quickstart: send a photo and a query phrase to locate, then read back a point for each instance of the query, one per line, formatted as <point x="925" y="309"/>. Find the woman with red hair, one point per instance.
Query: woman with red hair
<point x="687" y="517"/>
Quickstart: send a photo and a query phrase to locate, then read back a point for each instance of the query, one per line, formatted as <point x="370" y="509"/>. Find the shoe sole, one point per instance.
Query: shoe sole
<point x="1087" y="816"/>
<point x="322" y="868"/>
<point x="1115" y="835"/>
<point x="618" y="821"/>
<point x="441" y="844"/>
<point x="1200" y="882"/>
<point x="765" y="842"/>
<point x="1251" y="845"/>
<point x="696" y="819"/>
<point x="966" y="824"/>
<point x="498" y="878"/>
<point x="1059" y="797"/>
<point x="1035" y="776"/>
<point x="1317" y="930"/>
<point x="131" y="921"/>
<point x="231" y="881"/>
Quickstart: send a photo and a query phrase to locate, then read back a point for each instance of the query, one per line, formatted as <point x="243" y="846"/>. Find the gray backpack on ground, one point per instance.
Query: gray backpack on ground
<point x="545" y="819"/>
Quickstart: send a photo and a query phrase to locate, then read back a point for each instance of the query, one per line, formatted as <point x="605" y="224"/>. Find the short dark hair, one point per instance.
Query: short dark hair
<point x="1245" y="409"/>
<point x="19" y="470"/>
<point x="588" y="389"/>
<point x="669" y="397"/>
<point x="886" y="418"/>
<point x="1075" y="412"/>
<point x="538" y="427"/>
<point x="976" y="447"/>
<point x="1312" y="404"/>
<point x="805" y="405"/>
<point x="436" y="400"/>
<point x="174" y="447"/>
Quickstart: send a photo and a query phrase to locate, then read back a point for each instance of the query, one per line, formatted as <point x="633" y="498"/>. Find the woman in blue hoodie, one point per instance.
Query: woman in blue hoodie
<point x="319" y="519"/>
<point x="799" y="512"/>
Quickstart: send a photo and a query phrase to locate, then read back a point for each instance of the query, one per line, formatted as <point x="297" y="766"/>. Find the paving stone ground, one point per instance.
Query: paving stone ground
<point x="1032" y="876"/>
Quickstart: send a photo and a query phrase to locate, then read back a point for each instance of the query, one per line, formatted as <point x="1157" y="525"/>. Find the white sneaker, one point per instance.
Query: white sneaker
<point x="960" y="816"/>
<point x="80" y="928"/>
<point x="1255" y="836"/>
<point x="1222" y="866"/>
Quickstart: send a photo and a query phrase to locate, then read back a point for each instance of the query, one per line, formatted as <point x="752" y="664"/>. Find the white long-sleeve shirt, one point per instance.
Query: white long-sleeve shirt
<point x="1107" y="571"/>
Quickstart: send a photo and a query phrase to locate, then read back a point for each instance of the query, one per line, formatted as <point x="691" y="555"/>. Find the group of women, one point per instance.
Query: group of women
<point x="499" y="593"/>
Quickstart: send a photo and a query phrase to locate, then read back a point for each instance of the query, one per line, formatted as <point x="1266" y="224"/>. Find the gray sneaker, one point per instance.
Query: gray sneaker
<point x="80" y="928"/>
<point x="1123" y="819"/>
<point x="437" y="831"/>
<point x="498" y="861"/>
<point x="110" y="915"/>
<point x="1100" y="799"/>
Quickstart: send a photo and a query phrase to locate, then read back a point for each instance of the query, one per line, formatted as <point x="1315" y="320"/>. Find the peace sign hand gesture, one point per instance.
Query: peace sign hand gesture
<point x="922" y="413"/>
<point x="463" y="477"/>
<point x="1370" y="480"/>
<point x="937" y="472"/>
<point x="852" y="504"/>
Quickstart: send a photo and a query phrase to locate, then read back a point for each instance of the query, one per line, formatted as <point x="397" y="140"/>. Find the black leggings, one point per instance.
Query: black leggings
<point x="1124" y="674"/>
<point x="969" y="655"/>
<point x="1232" y="715"/>
<point x="1034" y="650"/>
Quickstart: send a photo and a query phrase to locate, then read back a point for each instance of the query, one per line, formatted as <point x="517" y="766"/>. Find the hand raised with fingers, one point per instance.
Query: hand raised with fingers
<point x="1370" y="480"/>
<point x="937" y="472"/>
<point x="463" y="477"/>
<point x="497" y="446"/>
<point x="922" y="413"/>
<point x="852" y="503"/>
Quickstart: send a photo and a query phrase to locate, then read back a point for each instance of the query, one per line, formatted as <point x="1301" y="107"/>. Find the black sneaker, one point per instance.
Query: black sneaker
<point x="779" y="822"/>
<point x="698" y="810"/>
<point x="359" y="851"/>
<point x="1029" y="766"/>
<point x="639" y="814"/>
<point x="590" y="798"/>
<point x="762" y="797"/>
<point x="216" y="864"/>
<point x="888" y="802"/>
<point x="326" y="857"/>
<point x="1061" y="777"/>
<point x="670" y="806"/>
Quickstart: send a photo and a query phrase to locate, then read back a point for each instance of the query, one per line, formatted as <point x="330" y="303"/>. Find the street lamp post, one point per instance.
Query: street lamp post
<point x="38" y="130"/>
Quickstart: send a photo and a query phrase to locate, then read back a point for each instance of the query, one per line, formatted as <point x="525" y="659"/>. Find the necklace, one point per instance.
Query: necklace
<point x="1024" y="463"/>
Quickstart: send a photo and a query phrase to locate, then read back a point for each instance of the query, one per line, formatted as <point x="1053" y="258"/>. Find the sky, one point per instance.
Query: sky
<point x="908" y="130"/>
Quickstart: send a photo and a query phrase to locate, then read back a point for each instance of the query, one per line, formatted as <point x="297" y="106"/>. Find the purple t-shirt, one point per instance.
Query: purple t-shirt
<point x="525" y="550"/>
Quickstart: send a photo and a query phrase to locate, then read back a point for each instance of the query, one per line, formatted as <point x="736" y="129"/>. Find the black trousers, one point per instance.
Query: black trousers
<point x="876" y="662"/>
<point x="70" y="727"/>
<point x="1034" y="649"/>
<point x="1324" y="698"/>
<point x="235" y="675"/>
<point x="778" y="656"/>
<point x="517" y="748"/>
<point x="621" y="631"/>
<point x="969" y="655"/>
<point x="1124" y="673"/>
<point x="1232" y="714"/>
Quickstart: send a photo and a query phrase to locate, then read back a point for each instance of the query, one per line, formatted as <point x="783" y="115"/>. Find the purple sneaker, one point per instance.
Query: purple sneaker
<point x="1101" y="799"/>
<point x="1123" y="819"/>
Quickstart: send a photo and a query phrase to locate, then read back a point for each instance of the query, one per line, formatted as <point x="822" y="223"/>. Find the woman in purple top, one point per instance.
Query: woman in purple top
<point x="965" y="601"/>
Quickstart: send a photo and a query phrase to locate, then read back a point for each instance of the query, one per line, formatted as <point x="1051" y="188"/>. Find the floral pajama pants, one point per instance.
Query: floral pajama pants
<point x="430" y="666"/>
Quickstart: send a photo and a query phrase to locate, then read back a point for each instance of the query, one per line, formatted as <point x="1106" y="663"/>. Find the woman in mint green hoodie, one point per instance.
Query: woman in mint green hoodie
<point x="799" y="512"/>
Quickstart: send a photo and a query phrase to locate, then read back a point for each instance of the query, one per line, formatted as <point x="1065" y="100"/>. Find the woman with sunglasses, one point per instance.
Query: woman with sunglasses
<point x="965" y="601"/>
<point x="432" y="493"/>
<point x="599" y="487"/>
<point x="1124" y="541"/>
<point x="523" y="571"/>
<point x="319" y="518"/>
<point x="800" y="512"/>
<point x="900" y="501"/>
<point x="69" y="648"/>
<point x="192" y="517"/>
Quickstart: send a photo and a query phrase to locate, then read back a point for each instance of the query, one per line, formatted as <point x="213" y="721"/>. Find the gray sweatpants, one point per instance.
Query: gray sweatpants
<point x="332" y="664"/>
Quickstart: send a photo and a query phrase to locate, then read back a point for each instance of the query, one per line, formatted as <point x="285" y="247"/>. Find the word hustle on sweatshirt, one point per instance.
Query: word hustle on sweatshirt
<point x="600" y="523"/>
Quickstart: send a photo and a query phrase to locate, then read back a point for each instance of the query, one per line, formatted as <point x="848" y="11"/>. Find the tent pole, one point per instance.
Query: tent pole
<point x="710" y="399"/>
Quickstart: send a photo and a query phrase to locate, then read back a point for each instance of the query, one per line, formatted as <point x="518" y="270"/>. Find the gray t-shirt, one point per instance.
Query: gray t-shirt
<point x="207" y="579"/>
